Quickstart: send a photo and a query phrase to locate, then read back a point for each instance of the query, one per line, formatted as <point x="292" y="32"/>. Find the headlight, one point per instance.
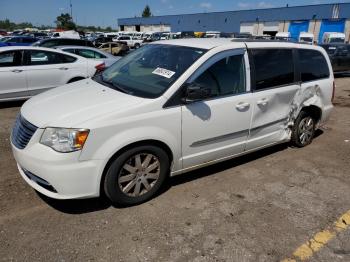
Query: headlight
<point x="64" y="139"/>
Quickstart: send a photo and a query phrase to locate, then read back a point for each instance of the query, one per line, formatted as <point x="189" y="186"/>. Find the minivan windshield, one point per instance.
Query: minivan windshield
<point x="149" y="71"/>
<point x="307" y="39"/>
<point x="336" y="40"/>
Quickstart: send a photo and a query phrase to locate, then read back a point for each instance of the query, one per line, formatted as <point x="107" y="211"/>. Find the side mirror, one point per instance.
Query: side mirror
<point x="195" y="92"/>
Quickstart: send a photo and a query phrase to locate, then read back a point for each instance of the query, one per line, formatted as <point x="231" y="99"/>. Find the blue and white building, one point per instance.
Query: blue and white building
<point x="315" y="19"/>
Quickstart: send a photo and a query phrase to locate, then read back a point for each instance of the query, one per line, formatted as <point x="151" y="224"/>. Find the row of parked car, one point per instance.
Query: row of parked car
<point x="65" y="60"/>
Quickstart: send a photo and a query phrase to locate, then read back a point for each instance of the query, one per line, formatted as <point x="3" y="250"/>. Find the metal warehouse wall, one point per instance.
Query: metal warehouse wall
<point x="230" y="21"/>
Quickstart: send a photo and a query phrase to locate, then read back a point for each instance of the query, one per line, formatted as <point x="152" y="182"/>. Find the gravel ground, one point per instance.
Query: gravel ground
<point x="259" y="207"/>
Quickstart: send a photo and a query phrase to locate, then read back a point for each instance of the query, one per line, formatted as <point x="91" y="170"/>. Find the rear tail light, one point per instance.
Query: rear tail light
<point x="100" y="67"/>
<point x="333" y="94"/>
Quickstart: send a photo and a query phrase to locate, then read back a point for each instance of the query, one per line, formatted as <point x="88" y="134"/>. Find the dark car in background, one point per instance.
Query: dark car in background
<point x="3" y="32"/>
<point x="52" y="42"/>
<point x="18" y="41"/>
<point x="187" y="34"/>
<point x="340" y="56"/>
<point x="101" y="40"/>
<point x="39" y="35"/>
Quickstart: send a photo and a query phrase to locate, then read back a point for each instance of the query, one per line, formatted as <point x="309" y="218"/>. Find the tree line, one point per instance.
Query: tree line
<point x="64" y="22"/>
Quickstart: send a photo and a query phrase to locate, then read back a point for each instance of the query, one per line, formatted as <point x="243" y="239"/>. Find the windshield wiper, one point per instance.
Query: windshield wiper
<point x="115" y="86"/>
<point x="119" y="88"/>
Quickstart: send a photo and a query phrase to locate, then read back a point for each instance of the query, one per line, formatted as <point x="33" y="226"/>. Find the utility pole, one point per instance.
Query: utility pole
<point x="71" y="9"/>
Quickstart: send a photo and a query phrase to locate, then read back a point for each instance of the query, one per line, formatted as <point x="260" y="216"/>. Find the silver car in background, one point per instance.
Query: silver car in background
<point x="91" y="53"/>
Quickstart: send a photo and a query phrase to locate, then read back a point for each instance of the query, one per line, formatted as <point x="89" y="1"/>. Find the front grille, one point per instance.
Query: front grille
<point x="41" y="182"/>
<point x="22" y="132"/>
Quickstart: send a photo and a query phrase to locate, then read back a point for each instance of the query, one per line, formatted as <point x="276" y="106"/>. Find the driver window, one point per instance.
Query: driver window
<point x="225" y="77"/>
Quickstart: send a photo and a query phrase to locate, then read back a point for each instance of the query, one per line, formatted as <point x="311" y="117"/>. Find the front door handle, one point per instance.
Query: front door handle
<point x="17" y="71"/>
<point x="263" y="102"/>
<point x="63" y="68"/>
<point x="242" y="105"/>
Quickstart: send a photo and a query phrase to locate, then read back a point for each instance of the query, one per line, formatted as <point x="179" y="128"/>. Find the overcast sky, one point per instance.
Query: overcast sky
<point x="106" y="12"/>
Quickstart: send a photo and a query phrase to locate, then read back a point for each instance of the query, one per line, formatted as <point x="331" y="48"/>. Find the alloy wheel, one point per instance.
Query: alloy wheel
<point x="306" y="127"/>
<point x="139" y="174"/>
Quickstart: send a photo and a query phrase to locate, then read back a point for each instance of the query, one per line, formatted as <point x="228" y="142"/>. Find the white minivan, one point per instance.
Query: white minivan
<point x="307" y="38"/>
<point x="167" y="108"/>
<point x="333" y="37"/>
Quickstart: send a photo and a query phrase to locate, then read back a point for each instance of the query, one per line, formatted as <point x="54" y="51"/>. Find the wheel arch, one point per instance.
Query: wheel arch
<point x="314" y="111"/>
<point x="154" y="142"/>
<point x="76" y="78"/>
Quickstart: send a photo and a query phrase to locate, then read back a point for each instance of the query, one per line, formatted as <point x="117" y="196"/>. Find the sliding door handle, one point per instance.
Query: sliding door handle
<point x="263" y="102"/>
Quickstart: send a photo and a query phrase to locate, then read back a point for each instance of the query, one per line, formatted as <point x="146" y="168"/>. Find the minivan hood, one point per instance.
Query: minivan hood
<point x="73" y="104"/>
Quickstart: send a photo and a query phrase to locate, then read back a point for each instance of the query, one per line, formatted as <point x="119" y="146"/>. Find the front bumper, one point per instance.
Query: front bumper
<point x="58" y="175"/>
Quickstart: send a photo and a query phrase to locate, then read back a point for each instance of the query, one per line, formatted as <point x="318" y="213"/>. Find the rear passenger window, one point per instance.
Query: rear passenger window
<point x="273" y="67"/>
<point x="313" y="65"/>
<point x="67" y="59"/>
<point x="48" y="58"/>
<point x="225" y="77"/>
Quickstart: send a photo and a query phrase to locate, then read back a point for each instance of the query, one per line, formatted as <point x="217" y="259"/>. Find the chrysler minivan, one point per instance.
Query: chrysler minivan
<point x="168" y="108"/>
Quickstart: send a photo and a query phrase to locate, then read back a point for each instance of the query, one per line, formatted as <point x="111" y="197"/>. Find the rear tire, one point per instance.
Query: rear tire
<point x="136" y="175"/>
<point x="303" y="130"/>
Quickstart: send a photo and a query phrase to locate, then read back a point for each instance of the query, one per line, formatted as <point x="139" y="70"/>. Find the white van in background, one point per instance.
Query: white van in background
<point x="283" y="36"/>
<point x="333" y="37"/>
<point x="112" y="34"/>
<point x="306" y="37"/>
<point x="67" y="34"/>
<point x="212" y="34"/>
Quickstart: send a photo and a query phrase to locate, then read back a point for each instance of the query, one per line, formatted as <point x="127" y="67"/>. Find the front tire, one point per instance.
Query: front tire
<point x="136" y="175"/>
<point x="303" y="130"/>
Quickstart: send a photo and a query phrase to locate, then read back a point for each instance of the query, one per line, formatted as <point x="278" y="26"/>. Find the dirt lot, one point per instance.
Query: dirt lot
<point x="260" y="207"/>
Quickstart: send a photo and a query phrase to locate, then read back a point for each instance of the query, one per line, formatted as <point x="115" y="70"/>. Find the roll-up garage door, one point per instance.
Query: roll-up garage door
<point x="165" y="28"/>
<point x="247" y="27"/>
<point x="336" y="26"/>
<point x="156" y="28"/>
<point x="296" y="27"/>
<point x="146" y="28"/>
<point x="271" y="26"/>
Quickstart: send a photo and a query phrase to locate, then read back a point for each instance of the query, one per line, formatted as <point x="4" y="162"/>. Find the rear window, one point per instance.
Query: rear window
<point x="313" y="65"/>
<point x="273" y="67"/>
